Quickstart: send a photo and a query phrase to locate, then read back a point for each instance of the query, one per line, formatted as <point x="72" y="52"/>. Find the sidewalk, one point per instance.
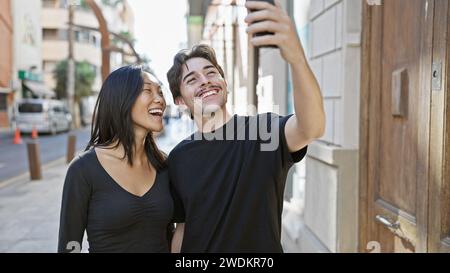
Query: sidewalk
<point x="29" y="211"/>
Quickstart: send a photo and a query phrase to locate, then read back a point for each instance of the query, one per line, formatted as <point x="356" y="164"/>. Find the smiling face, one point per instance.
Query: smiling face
<point x="149" y="107"/>
<point x="202" y="87"/>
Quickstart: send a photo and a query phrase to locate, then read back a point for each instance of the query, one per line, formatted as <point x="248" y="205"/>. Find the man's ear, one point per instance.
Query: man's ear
<point x="226" y="87"/>
<point x="179" y="101"/>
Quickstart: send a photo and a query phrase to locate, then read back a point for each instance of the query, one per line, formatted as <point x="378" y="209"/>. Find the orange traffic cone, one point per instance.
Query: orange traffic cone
<point x="34" y="133"/>
<point x="17" y="138"/>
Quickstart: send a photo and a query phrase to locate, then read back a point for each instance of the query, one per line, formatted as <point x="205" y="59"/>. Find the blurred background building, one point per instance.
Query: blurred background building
<point x="6" y="62"/>
<point x="28" y="55"/>
<point x="87" y="44"/>
<point x="36" y="40"/>
<point x="87" y="37"/>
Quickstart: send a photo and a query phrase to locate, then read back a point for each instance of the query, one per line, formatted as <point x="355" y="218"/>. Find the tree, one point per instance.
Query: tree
<point x="84" y="79"/>
<point x="124" y="35"/>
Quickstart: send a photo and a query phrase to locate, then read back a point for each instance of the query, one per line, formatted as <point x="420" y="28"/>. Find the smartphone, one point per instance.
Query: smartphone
<point x="265" y="32"/>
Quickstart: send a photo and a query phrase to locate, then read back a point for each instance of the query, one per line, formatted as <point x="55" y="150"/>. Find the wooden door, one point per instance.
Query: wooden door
<point x="397" y="75"/>
<point x="439" y="182"/>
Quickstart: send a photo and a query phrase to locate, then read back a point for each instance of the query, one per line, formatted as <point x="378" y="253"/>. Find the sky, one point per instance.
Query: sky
<point x="160" y="31"/>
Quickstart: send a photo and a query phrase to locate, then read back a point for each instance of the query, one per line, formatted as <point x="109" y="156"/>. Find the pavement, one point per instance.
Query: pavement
<point x="29" y="210"/>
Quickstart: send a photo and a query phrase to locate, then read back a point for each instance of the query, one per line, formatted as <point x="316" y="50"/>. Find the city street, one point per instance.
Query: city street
<point x="29" y="210"/>
<point x="362" y="165"/>
<point x="14" y="160"/>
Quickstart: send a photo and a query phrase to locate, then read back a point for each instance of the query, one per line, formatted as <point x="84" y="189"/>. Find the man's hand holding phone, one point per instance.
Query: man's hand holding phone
<point x="270" y="25"/>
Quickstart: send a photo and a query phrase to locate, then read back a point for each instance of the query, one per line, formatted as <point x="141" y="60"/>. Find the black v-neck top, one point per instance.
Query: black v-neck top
<point x="115" y="220"/>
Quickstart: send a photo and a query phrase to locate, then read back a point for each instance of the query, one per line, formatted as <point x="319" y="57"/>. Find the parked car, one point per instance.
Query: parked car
<point x="47" y="116"/>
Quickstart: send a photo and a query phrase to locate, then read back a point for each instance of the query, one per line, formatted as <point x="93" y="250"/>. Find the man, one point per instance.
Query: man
<point x="228" y="178"/>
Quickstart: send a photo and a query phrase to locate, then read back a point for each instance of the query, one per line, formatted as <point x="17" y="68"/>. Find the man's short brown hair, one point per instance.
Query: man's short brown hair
<point x="175" y="73"/>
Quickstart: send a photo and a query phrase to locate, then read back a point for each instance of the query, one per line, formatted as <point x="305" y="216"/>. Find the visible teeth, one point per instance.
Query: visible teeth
<point x="155" y="111"/>
<point x="209" y="93"/>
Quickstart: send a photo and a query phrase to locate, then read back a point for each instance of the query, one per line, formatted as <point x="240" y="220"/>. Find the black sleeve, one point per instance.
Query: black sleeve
<point x="288" y="158"/>
<point x="74" y="208"/>
<point x="178" y="215"/>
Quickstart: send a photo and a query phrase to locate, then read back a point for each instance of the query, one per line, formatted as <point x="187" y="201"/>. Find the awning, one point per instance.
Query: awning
<point x="4" y="90"/>
<point x="39" y="89"/>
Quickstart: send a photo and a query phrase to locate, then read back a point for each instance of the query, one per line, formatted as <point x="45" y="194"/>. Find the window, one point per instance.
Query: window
<point x="63" y="35"/>
<point x="30" y="108"/>
<point x="54" y="34"/>
<point x="77" y="35"/>
<point x="82" y="36"/>
<point x="85" y="36"/>
<point x="50" y="34"/>
<point x="63" y="4"/>
<point x="49" y="3"/>
<point x="3" y="102"/>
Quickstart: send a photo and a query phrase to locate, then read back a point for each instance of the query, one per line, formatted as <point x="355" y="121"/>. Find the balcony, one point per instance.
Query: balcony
<point x="57" y="18"/>
<point x="58" y="50"/>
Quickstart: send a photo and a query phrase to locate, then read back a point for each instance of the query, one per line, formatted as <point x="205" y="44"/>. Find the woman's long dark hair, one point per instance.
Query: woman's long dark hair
<point x="112" y="120"/>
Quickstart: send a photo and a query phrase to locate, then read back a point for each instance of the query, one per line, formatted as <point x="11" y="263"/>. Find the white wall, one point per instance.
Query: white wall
<point x="328" y="221"/>
<point x="27" y="35"/>
<point x="335" y="57"/>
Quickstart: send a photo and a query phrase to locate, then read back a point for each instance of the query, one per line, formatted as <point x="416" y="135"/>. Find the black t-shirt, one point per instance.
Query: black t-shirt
<point x="230" y="185"/>
<point x="115" y="220"/>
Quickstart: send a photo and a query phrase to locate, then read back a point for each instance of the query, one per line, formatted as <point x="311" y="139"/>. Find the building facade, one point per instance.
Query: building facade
<point x="6" y="62"/>
<point x="27" y="54"/>
<point x="328" y="218"/>
<point x="87" y="46"/>
<point x="35" y="38"/>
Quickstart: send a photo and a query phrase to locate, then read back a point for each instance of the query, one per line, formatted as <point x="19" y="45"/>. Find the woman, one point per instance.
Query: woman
<point x="118" y="189"/>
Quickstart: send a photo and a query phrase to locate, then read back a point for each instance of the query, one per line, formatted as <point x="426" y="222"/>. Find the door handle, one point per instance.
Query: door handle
<point x="388" y="223"/>
<point x="395" y="228"/>
<point x="400" y="90"/>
